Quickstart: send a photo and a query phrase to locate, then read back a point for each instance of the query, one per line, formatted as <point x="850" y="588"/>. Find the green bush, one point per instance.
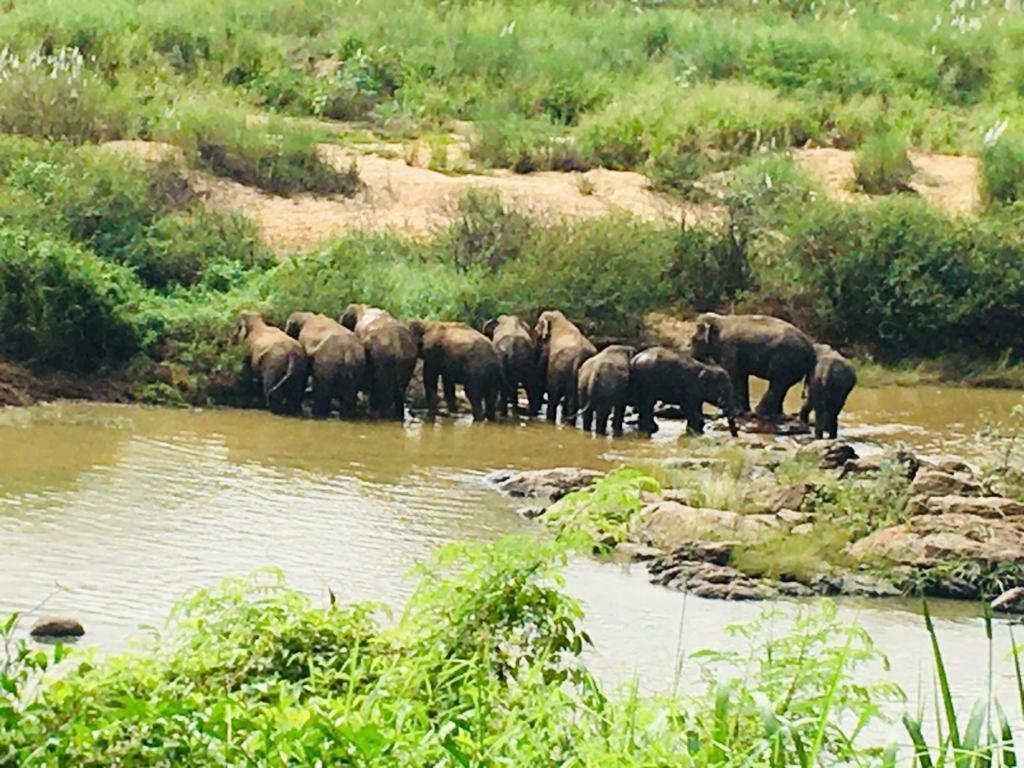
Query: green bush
<point x="272" y="155"/>
<point x="487" y="666"/>
<point x="185" y="247"/>
<point x="882" y="165"/>
<point x="62" y="306"/>
<point x="56" y="96"/>
<point x="1002" y="170"/>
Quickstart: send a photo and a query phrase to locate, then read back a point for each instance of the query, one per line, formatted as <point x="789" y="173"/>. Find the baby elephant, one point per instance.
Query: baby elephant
<point x="337" y="358"/>
<point x="603" y="386"/>
<point x="275" y="359"/>
<point x="659" y="374"/>
<point x="826" y="390"/>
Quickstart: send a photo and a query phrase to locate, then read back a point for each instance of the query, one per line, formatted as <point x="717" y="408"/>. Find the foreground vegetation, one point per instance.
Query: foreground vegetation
<point x="486" y="666"/>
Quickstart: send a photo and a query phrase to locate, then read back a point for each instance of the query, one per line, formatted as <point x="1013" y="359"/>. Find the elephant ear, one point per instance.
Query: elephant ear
<point x="543" y="329"/>
<point x="238" y="331"/>
<point x="489" y="327"/>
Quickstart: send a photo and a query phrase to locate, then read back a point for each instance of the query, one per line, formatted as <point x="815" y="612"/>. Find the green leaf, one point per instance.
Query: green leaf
<point x="921" y="752"/>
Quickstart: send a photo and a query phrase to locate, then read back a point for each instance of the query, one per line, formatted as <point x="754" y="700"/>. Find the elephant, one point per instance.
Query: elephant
<point x="826" y="390"/>
<point x="517" y="351"/>
<point x="275" y="359"/>
<point x="458" y="354"/>
<point x="755" y="345"/>
<point x="562" y="350"/>
<point x="390" y="356"/>
<point x="337" y="358"/>
<point x="604" y="388"/>
<point x="660" y="374"/>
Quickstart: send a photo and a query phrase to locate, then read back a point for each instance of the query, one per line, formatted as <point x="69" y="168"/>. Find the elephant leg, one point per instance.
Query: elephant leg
<point x="694" y="413"/>
<point x="618" y="416"/>
<point x="507" y="395"/>
<point x="588" y="417"/>
<point x="570" y="407"/>
<point x="491" y="395"/>
<point x="430" y="389"/>
<point x="645" y="407"/>
<point x="534" y="393"/>
<point x="602" y="420"/>
<point x="554" y="396"/>
<point x="770" y="406"/>
<point x="449" y="394"/>
<point x="397" y="401"/>
<point x="741" y="390"/>
<point x="805" y="409"/>
<point x="833" y="425"/>
<point x="321" y="399"/>
<point x="349" y="400"/>
<point x="475" y="395"/>
<point x="820" y="420"/>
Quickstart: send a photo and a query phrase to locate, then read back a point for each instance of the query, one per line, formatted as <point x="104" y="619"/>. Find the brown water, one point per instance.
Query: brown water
<point x="111" y="513"/>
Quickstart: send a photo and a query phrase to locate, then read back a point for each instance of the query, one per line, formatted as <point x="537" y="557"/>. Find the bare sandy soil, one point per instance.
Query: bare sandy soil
<point x="949" y="182"/>
<point x="403" y="196"/>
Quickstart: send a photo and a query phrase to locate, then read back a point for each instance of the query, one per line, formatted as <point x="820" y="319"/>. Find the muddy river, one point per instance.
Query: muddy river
<point x="111" y="513"/>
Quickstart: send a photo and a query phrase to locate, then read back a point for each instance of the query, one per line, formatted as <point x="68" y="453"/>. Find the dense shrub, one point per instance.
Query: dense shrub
<point x="63" y="306"/>
<point x="905" y="280"/>
<point x="1002" y="170"/>
<point x="272" y="155"/>
<point x="882" y="165"/>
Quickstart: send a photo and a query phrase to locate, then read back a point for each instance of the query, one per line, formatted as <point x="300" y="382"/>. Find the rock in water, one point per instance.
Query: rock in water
<point x="550" y="484"/>
<point x="1011" y="601"/>
<point x="57" y="626"/>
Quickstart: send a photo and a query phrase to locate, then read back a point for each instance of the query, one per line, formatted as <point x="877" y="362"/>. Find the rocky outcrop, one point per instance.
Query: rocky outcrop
<point x="993" y="507"/>
<point x="706" y="574"/>
<point x="935" y="482"/>
<point x="56" y="627"/>
<point x="1011" y="601"/>
<point x="547" y="484"/>
<point x="927" y="541"/>
<point x="669" y="525"/>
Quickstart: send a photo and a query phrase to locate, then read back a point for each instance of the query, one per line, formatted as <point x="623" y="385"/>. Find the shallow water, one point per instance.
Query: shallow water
<point x="111" y="513"/>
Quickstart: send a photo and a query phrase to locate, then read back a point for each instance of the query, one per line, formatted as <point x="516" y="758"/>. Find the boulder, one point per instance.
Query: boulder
<point x="713" y="581"/>
<point x="1011" y="601"/>
<point x="935" y="482"/>
<point x="633" y="552"/>
<point x="693" y="462"/>
<point x="549" y="484"/>
<point x="867" y="585"/>
<point x="671" y="524"/>
<point x="995" y="507"/>
<point x="830" y="454"/>
<point x="928" y="540"/>
<point x="792" y="517"/>
<point x="790" y="497"/>
<point x="56" y="626"/>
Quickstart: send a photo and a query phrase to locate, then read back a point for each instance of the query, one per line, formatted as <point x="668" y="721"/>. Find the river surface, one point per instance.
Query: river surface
<point x="111" y="513"/>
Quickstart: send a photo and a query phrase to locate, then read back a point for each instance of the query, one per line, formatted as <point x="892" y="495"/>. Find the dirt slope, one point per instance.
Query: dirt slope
<point x="409" y="198"/>
<point x="415" y="200"/>
<point x="949" y="182"/>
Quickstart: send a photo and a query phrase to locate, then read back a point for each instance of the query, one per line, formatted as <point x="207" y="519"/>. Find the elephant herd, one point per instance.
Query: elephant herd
<point x="368" y="351"/>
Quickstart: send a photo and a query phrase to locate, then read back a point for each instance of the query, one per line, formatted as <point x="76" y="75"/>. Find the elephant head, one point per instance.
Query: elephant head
<point x="245" y="323"/>
<point x="296" y="320"/>
<point x="706" y="341"/>
<point x="545" y="324"/>
<point x="352" y="314"/>
<point x="489" y="327"/>
<point x="716" y="387"/>
<point x="418" y="328"/>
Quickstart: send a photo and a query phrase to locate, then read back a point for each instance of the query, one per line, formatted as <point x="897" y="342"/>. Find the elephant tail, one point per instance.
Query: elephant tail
<point x="288" y="374"/>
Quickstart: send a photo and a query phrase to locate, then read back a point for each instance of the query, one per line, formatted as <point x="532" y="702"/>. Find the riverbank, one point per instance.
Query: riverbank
<point x="796" y="518"/>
